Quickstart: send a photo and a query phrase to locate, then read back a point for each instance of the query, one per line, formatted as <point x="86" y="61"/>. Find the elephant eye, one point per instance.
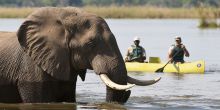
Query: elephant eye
<point x="91" y="44"/>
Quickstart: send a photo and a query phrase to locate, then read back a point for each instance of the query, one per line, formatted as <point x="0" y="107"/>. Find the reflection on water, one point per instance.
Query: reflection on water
<point x="38" y="106"/>
<point x="61" y="106"/>
<point x="173" y="91"/>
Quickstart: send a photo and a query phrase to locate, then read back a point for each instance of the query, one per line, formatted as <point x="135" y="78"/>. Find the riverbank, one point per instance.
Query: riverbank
<point x="120" y="12"/>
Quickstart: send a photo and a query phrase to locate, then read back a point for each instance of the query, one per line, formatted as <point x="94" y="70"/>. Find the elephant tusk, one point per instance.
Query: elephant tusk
<point x="113" y="85"/>
<point x="142" y="83"/>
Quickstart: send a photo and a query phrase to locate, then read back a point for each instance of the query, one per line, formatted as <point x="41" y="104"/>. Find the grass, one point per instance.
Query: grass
<point x="119" y="12"/>
<point x="208" y="17"/>
<point x="143" y="12"/>
<point x="210" y="23"/>
<point x="15" y="12"/>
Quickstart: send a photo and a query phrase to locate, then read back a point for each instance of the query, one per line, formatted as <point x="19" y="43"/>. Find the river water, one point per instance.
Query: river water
<point x="172" y="92"/>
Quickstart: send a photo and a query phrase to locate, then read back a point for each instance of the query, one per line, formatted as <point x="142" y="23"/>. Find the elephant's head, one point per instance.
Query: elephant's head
<point x="66" y="41"/>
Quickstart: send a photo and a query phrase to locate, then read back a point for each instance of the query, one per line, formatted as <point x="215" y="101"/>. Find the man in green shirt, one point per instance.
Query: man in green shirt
<point x="135" y="53"/>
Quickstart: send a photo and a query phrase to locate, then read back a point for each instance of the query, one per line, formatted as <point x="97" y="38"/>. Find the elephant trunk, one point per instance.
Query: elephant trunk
<point x="113" y="73"/>
<point x="118" y="75"/>
<point x="120" y="96"/>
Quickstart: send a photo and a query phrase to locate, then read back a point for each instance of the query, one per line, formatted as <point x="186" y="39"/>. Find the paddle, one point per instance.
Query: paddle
<point x="160" y="70"/>
<point x="135" y="59"/>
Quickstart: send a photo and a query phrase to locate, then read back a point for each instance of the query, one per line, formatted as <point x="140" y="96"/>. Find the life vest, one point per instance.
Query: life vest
<point x="180" y="55"/>
<point x="137" y="52"/>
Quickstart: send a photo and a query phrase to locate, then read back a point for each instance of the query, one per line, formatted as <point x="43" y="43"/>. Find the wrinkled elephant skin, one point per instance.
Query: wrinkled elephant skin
<point x="41" y="62"/>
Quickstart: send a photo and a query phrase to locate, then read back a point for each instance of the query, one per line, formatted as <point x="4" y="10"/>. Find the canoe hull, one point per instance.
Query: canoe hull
<point x="189" y="67"/>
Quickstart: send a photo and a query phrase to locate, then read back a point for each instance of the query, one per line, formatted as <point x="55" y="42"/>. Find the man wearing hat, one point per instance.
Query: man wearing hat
<point x="135" y="53"/>
<point x="177" y="51"/>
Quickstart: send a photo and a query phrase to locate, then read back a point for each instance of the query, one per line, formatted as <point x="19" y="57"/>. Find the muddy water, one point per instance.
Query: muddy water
<point x="173" y="92"/>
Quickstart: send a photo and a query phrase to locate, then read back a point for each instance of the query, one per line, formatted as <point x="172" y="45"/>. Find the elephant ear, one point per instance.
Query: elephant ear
<point x="44" y="40"/>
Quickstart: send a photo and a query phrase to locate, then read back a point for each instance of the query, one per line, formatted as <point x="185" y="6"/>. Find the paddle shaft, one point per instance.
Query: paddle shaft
<point x="171" y="58"/>
<point x="136" y="59"/>
<point x="161" y="69"/>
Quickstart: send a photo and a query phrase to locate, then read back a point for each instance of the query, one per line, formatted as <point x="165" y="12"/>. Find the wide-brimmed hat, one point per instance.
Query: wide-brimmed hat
<point x="136" y="38"/>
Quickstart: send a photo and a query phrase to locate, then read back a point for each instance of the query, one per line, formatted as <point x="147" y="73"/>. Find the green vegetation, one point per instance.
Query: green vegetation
<point x="155" y="3"/>
<point x="208" y="17"/>
<point x="114" y="8"/>
<point x="207" y="11"/>
<point x="143" y="12"/>
<point x="122" y="12"/>
<point x="15" y="12"/>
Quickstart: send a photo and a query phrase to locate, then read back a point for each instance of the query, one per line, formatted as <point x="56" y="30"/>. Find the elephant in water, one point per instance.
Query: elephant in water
<point x="41" y="62"/>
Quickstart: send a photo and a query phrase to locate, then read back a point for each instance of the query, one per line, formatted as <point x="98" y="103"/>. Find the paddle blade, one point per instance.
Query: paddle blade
<point x="160" y="70"/>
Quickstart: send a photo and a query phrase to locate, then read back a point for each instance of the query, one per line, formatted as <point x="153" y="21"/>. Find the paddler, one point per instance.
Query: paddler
<point x="177" y="51"/>
<point x="135" y="53"/>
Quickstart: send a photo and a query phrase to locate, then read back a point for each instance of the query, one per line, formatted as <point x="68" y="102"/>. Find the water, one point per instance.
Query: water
<point x="173" y="92"/>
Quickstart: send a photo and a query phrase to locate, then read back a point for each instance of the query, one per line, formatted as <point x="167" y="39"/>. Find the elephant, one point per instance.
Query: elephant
<point x="40" y="62"/>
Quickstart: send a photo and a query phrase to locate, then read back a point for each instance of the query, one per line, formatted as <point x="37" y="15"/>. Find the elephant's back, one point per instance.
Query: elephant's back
<point x="10" y="56"/>
<point x="8" y="40"/>
<point x="9" y="45"/>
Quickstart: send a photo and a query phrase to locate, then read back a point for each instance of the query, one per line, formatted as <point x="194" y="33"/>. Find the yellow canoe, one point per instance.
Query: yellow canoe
<point x="188" y="67"/>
